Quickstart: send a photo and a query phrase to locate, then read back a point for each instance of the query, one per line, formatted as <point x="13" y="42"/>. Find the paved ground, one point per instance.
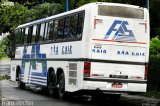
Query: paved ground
<point x="5" y="67"/>
<point x="9" y="93"/>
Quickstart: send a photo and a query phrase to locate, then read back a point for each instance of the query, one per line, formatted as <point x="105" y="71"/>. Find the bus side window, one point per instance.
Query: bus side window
<point x="34" y="33"/>
<point x="80" y="25"/>
<point x="50" y="31"/>
<point x="73" y="25"/>
<point x="46" y="31"/>
<point x="37" y="33"/>
<point x="60" y="29"/>
<point x="16" y="36"/>
<point x="30" y="34"/>
<point x="19" y="37"/>
<point x="42" y="32"/>
<point x="55" y="30"/>
<point x="22" y="35"/>
<point x="26" y="35"/>
<point x="66" y="27"/>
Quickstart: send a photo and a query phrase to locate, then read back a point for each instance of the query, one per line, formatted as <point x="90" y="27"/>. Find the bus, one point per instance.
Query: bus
<point x="98" y="49"/>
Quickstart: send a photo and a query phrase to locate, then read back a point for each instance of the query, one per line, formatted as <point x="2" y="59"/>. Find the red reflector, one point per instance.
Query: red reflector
<point x="139" y="77"/>
<point x="146" y="72"/>
<point x="87" y="66"/>
<point x="94" y="74"/>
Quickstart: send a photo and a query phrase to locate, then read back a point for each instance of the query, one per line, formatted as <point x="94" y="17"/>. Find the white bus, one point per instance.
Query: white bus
<point x="99" y="47"/>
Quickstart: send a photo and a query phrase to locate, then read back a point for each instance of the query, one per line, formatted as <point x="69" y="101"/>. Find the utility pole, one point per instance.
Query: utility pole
<point x="66" y="5"/>
<point x="147" y="2"/>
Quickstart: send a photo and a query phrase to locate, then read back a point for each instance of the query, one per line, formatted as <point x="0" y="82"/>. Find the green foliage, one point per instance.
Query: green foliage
<point x="157" y="31"/>
<point x="153" y="94"/>
<point x="4" y="77"/>
<point x="154" y="73"/>
<point x="155" y="46"/>
<point x="155" y="17"/>
<point x="82" y="2"/>
<point x="3" y="46"/>
<point x="2" y="50"/>
<point x="4" y="1"/>
<point x="12" y="16"/>
<point x="27" y="3"/>
<point x="154" y="65"/>
<point x="44" y="10"/>
<point x="77" y="3"/>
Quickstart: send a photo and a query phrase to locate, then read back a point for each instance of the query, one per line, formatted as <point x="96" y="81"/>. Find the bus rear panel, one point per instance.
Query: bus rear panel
<point x="119" y="48"/>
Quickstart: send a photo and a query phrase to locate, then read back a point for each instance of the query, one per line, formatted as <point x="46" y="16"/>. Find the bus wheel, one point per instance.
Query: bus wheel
<point x="21" y="85"/>
<point x="51" y="84"/>
<point x="61" y="86"/>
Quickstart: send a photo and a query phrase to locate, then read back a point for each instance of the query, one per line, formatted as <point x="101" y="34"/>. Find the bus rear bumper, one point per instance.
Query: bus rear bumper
<point x="127" y="86"/>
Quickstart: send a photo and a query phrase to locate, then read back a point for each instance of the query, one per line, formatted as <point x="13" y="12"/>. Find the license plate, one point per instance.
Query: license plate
<point x="117" y="85"/>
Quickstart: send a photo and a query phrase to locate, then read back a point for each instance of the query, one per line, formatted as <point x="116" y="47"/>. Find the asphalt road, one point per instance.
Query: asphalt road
<point x="9" y="93"/>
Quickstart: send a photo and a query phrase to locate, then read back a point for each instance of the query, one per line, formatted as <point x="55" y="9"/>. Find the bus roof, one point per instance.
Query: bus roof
<point x="84" y="7"/>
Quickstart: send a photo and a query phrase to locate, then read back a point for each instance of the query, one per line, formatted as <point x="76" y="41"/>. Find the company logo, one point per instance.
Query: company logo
<point x="119" y="31"/>
<point x="32" y="60"/>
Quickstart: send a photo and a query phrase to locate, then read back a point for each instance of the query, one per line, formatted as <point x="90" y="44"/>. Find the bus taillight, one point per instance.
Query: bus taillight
<point x="87" y="67"/>
<point x="146" y="72"/>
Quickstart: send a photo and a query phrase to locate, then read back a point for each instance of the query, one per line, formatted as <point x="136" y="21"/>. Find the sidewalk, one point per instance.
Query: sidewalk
<point x="5" y="66"/>
<point x="5" y="62"/>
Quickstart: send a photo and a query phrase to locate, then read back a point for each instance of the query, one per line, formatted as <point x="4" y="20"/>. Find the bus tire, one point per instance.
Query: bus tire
<point x="21" y="85"/>
<point x="51" y="84"/>
<point x="61" y="86"/>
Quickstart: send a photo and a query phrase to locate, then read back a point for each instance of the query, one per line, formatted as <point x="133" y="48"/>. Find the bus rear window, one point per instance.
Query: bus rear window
<point x="119" y="11"/>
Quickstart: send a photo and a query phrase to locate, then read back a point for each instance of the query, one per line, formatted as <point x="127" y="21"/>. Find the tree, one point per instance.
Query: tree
<point x="155" y="17"/>
<point x="3" y="46"/>
<point x="12" y="16"/>
<point x="155" y="46"/>
<point x="44" y="10"/>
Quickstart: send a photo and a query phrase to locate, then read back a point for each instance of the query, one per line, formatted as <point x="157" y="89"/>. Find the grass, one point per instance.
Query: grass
<point x="4" y="77"/>
<point x="152" y="94"/>
<point x="5" y="58"/>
